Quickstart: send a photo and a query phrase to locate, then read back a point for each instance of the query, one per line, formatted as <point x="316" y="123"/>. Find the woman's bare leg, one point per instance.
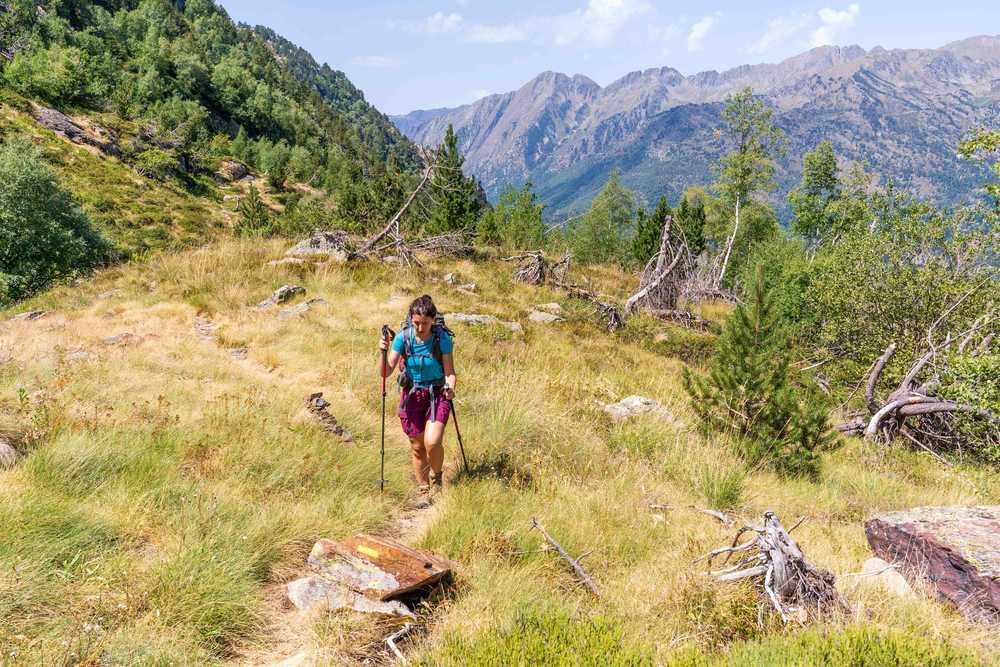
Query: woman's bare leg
<point x="434" y="442"/>
<point x="421" y="465"/>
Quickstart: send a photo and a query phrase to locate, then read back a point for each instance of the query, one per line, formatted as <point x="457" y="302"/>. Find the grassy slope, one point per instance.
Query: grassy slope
<point x="138" y="214"/>
<point x="177" y="486"/>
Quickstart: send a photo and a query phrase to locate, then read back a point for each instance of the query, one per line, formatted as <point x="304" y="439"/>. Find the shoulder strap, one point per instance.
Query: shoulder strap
<point x="436" y="346"/>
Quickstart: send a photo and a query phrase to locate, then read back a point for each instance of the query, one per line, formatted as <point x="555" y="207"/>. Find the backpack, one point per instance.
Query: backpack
<point x="409" y="335"/>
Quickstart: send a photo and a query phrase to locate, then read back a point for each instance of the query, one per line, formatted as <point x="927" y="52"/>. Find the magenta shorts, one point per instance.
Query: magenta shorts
<point x="415" y="411"/>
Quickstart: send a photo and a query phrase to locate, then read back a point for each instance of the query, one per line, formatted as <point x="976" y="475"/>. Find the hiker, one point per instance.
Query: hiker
<point x="428" y="386"/>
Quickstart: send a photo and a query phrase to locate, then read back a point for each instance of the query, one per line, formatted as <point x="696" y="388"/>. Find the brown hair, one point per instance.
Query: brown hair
<point x="423" y="305"/>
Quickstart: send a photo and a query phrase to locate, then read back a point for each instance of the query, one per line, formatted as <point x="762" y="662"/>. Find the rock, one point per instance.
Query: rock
<point x="391" y="259"/>
<point x="467" y="287"/>
<point x="469" y="318"/>
<point x="956" y="548"/>
<point x="281" y="295"/>
<point x="887" y="575"/>
<point x="11" y="442"/>
<point x="299" y="308"/>
<point x="231" y="170"/>
<point x="317" y="407"/>
<point x="636" y="405"/>
<point x="238" y="353"/>
<point x="120" y="340"/>
<point x="29" y="316"/>
<point x="450" y="278"/>
<point x="543" y="317"/>
<point x="315" y="592"/>
<point x="64" y="126"/>
<point x="553" y="308"/>
<point x="77" y="355"/>
<point x="322" y="245"/>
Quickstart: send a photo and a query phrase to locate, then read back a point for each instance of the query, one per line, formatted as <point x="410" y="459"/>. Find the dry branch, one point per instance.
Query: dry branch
<point x="534" y="271"/>
<point x="787" y="580"/>
<point x="574" y="563"/>
<point x="660" y="285"/>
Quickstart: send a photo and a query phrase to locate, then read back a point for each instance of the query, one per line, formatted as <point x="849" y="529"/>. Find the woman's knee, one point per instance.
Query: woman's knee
<point x="417" y="445"/>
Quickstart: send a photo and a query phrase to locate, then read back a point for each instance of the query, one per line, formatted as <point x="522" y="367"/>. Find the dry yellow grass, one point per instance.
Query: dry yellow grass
<point x="176" y="486"/>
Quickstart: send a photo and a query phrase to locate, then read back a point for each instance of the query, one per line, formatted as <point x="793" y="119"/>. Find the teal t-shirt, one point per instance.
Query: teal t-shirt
<point x="421" y="365"/>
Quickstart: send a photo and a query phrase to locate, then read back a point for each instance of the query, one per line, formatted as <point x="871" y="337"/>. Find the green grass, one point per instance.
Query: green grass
<point x="174" y="490"/>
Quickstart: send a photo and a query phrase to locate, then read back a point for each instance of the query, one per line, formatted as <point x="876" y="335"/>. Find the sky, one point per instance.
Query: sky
<point x="445" y="53"/>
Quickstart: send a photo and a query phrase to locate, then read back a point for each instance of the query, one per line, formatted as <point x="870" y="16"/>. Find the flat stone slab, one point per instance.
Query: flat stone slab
<point x="956" y="548"/>
<point x="544" y="317"/>
<point x="471" y="318"/>
<point x="281" y="295"/>
<point x="553" y="308"/>
<point x="631" y="406"/>
<point x="315" y="591"/>
<point x="322" y="245"/>
<point x="29" y="316"/>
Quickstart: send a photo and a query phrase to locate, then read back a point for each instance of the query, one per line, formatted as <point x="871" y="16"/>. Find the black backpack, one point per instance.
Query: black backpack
<point x="406" y="329"/>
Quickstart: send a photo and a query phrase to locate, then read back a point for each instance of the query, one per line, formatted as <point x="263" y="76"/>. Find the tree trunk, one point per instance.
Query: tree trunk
<point x="729" y="246"/>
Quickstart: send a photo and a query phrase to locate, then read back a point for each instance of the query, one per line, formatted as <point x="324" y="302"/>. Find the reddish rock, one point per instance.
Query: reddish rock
<point x="956" y="548"/>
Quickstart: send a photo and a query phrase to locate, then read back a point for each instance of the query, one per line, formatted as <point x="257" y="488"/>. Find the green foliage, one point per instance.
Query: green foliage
<point x="456" y="205"/>
<point x="983" y="146"/>
<point x="601" y="234"/>
<point x="691" y="217"/>
<point x="788" y="276"/>
<point x="750" y="394"/>
<point x="554" y="639"/>
<point x="156" y="163"/>
<point x="975" y="381"/>
<point x="515" y="223"/>
<point x="255" y="219"/>
<point x="44" y="236"/>
<point x="758" y="224"/>
<point x="648" y="231"/>
<point x="722" y="487"/>
<point x="811" y="200"/>
<point x="892" y="274"/>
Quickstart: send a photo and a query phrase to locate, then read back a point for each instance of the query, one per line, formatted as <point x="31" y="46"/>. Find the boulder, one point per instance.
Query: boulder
<point x="887" y="576"/>
<point x="316" y="592"/>
<point x="322" y="245"/>
<point x="631" y="406"/>
<point x="553" y="308"/>
<point x="11" y="443"/>
<point x="64" y="126"/>
<point x="450" y="279"/>
<point x="299" y="309"/>
<point x="231" y="170"/>
<point x="957" y="549"/>
<point x="473" y="318"/>
<point x="281" y="295"/>
<point x="543" y="317"/>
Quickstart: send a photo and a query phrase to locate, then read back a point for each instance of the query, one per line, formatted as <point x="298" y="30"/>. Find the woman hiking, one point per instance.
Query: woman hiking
<point x="428" y="386"/>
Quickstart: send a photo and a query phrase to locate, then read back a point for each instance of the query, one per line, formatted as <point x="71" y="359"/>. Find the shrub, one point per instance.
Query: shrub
<point x="156" y="163"/>
<point x="749" y="392"/>
<point x="254" y="216"/>
<point x="975" y="381"/>
<point x="44" y="235"/>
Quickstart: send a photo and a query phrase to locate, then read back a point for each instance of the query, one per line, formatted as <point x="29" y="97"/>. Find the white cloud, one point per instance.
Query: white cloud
<point x="436" y="23"/>
<point x="496" y="34"/>
<point x="699" y="31"/>
<point x="779" y="30"/>
<point x="374" y="61"/>
<point x="833" y="24"/>
<point x="598" y="23"/>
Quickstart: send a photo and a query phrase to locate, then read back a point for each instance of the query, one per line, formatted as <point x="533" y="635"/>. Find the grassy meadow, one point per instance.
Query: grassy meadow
<point x="173" y="489"/>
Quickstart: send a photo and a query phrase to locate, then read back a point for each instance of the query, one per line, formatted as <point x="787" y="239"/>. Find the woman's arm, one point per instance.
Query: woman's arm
<point x="448" y="362"/>
<point x="390" y="361"/>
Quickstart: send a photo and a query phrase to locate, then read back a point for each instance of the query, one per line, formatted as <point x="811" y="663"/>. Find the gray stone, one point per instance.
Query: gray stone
<point x="66" y="127"/>
<point x="29" y="316"/>
<point x="317" y="592"/>
<point x="238" y="353"/>
<point x="543" y="317"/>
<point x="322" y="245"/>
<point x="467" y="287"/>
<point x="553" y="308"/>
<point x="281" y="295"/>
<point x="11" y="442"/>
<point x="472" y="318"/>
<point x="77" y="355"/>
<point x="631" y="406"/>
<point x="887" y="576"/>
<point x="299" y="309"/>
<point x="121" y="340"/>
<point x="231" y="170"/>
<point x="450" y="278"/>
<point x="957" y="549"/>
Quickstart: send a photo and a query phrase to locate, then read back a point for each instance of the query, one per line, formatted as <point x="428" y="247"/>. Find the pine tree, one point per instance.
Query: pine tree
<point x="748" y="392"/>
<point x="456" y="204"/>
<point x="691" y="218"/>
<point x="648" y="230"/>
<point x="254" y="217"/>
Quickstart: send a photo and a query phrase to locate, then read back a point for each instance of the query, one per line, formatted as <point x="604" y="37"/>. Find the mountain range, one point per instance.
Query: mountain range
<point x="902" y="111"/>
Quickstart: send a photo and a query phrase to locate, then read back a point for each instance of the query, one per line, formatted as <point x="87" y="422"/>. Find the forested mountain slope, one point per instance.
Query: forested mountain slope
<point x="902" y="111"/>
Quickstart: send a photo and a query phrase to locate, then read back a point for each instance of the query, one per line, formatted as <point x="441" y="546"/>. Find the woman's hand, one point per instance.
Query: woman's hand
<point x="383" y="344"/>
<point x="449" y="393"/>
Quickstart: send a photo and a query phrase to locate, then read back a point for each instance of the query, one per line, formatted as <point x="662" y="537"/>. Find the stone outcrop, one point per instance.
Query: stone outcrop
<point x="283" y="294"/>
<point x="326" y="245"/>
<point x="12" y="443"/>
<point x="474" y="318"/>
<point x="630" y="406"/>
<point x="317" y="407"/>
<point x="956" y="549"/>
<point x="231" y="170"/>
<point x="29" y="316"/>
<point x="65" y="127"/>
<point x="544" y="317"/>
<point x="300" y="309"/>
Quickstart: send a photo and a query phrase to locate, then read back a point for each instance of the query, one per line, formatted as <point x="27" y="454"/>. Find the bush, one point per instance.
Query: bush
<point x="255" y="220"/>
<point x="749" y="392"/>
<point x="44" y="235"/>
<point x="975" y="381"/>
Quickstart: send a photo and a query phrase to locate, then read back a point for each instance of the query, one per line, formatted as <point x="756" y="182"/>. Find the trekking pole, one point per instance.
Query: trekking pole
<point x="385" y="369"/>
<point x="461" y="447"/>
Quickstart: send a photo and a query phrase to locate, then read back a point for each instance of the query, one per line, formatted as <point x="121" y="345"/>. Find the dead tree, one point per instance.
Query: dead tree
<point x="607" y="310"/>
<point x="535" y="269"/>
<point x="914" y="409"/>
<point x="786" y="580"/>
<point x="660" y="285"/>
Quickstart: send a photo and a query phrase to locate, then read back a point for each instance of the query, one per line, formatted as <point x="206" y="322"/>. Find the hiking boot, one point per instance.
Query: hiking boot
<point x="437" y="481"/>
